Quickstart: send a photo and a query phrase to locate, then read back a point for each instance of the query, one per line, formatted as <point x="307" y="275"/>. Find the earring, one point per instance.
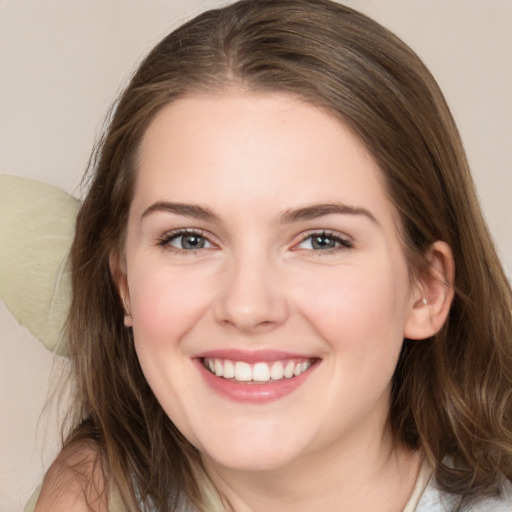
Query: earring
<point x="127" y="313"/>
<point x="128" y="319"/>
<point x="421" y="302"/>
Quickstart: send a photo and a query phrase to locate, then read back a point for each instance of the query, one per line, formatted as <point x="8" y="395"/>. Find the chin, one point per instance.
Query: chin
<point x="250" y="458"/>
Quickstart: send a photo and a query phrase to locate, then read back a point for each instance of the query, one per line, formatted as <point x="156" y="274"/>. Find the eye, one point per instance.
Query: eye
<point x="185" y="241"/>
<point x="324" y="241"/>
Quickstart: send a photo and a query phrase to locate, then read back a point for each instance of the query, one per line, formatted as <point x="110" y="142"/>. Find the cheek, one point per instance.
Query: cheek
<point x="166" y="304"/>
<point x="359" y="308"/>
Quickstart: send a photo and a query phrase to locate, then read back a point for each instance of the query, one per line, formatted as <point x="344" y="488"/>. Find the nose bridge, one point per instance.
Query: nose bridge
<point x="251" y="297"/>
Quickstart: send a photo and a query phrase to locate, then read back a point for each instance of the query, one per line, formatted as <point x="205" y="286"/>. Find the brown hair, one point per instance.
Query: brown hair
<point x="451" y="394"/>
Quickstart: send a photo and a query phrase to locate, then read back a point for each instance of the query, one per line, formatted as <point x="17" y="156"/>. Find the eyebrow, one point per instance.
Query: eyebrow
<point x="311" y="212"/>
<point x="187" y="210"/>
<point x="319" y="210"/>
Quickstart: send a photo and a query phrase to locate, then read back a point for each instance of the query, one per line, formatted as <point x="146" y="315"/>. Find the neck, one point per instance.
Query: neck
<point x="376" y="476"/>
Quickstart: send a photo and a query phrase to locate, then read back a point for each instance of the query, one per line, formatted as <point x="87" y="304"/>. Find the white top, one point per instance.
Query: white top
<point x="426" y="497"/>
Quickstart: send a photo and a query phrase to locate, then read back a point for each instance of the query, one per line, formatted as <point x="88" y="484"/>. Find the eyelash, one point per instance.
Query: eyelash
<point x="165" y="240"/>
<point x="340" y="243"/>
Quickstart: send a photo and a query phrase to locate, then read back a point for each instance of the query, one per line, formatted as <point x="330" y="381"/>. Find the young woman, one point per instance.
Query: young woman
<point x="284" y="294"/>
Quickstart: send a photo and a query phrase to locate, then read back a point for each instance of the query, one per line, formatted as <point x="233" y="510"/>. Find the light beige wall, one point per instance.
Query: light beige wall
<point x="61" y="65"/>
<point x="467" y="44"/>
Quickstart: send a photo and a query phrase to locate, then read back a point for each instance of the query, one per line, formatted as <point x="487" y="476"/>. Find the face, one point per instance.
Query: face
<point x="266" y="279"/>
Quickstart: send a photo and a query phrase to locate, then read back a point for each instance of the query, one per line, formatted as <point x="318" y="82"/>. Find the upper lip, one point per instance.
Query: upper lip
<point x="252" y="356"/>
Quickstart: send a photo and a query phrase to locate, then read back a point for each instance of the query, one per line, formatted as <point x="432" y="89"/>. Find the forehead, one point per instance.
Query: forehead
<point x="242" y="149"/>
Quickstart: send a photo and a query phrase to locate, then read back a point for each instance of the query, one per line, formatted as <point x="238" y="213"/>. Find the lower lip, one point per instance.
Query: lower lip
<point x="252" y="392"/>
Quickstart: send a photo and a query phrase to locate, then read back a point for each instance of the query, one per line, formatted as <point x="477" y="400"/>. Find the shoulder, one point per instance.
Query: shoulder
<point x="75" y="481"/>
<point x="435" y="500"/>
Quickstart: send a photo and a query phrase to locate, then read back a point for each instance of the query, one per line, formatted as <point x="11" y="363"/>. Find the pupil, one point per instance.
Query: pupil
<point x="192" y="242"/>
<point x="323" y="242"/>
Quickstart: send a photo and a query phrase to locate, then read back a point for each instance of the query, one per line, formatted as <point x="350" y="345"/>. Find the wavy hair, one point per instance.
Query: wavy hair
<point x="451" y="394"/>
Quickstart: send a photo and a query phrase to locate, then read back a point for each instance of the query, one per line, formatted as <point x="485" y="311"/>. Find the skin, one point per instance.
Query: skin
<point x="74" y="482"/>
<point x="257" y="283"/>
<point x="258" y="167"/>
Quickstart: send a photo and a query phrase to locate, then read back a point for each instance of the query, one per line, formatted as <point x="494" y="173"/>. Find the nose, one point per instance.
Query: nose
<point x="252" y="298"/>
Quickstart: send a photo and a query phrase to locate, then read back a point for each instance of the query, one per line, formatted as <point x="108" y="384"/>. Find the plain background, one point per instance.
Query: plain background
<point x="62" y="63"/>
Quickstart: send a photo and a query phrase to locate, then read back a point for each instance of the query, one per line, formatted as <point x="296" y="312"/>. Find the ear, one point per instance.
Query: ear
<point x="433" y="294"/>
<point x="118" y="271"/>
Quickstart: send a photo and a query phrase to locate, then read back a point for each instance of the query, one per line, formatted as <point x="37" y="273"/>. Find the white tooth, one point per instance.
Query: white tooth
<point x="288" y="371"/>
<point x="211" y="365"/>
<point x="243" y="371"/>
<point x="277" y="371"/>
<point x="261" y="372"/>
<point x="229" y="369"/>
<point x="297" y="370"/>
<point x="304" y="366"/>
<point x="218" y="368"/>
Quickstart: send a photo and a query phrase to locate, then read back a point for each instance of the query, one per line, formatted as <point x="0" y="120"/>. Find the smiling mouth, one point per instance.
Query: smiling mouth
<point x="260" y="373"/>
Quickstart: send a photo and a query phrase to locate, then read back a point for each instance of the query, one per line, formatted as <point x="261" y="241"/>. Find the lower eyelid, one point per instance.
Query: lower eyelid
<point x="341" y="241"/>
<point x="166" y="239"/>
